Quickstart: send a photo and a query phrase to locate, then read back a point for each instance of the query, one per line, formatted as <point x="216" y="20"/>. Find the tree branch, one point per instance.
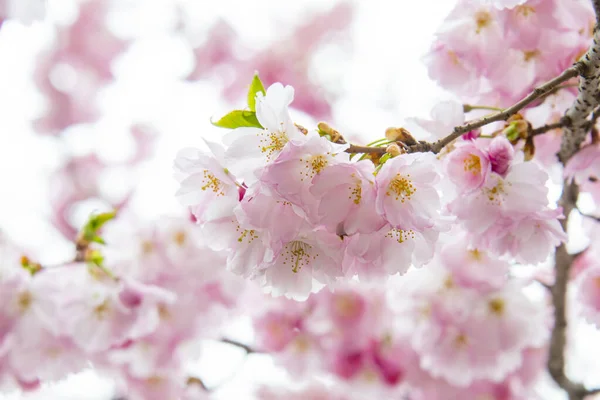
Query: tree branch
<point x="538" y="92"/>
<point x="245" y="347"/>
<point x="365" y="149"/>
<point x="558" y="339"/>
<point x="587" y="99"/>
<point x="503" y="115"/>
<point x="548" y="127"/>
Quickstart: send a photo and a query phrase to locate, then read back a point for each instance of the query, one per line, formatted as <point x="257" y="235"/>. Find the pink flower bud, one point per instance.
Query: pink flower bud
<point x="501" y="154"/>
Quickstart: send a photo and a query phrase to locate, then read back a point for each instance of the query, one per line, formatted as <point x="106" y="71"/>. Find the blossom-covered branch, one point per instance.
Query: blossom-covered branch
<point x="538" y="92"/>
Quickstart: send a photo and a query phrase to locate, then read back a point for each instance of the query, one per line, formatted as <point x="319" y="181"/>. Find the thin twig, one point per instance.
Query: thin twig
<point x="245" y="347"/>
<point x="365" y="149"/>
<point x="548" y="127"/>
<point x="470" y="107"/>
<point x="538" y="92"/>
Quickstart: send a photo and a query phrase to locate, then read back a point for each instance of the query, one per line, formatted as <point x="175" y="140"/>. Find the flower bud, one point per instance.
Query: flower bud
<point x="400" y="135"/>
<point x="500" y="154"/>
<point x="393" y="150"/>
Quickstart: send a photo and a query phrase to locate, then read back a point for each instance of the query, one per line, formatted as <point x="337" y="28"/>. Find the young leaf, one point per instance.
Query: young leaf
<point x="238" y="119"/>
<point x="91" y="228"/>
<point x="255" y="87"/>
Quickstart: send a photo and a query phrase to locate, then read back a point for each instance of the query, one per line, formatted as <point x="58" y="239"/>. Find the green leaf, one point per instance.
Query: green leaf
<point x="384" y="158"/>
<point x="255" y="87"/>
<point x="238" y="119"/>
<point x="91" y="228"/>
<point x="98" y="239"/>
<point x="379" y="142"/>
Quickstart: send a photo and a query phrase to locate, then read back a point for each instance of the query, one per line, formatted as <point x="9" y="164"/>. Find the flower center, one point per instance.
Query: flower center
<point x="530" y="55"/>
<point x="524" y="10"/>
<point x="271" y="143"/>
<point x="246" y="234"/>
<point x="472" y="163"/>
<point x="401" y="187"/>
<point x="211" y="182"/>
<point x="101" y="310"/>
<point x="476" y="255"/>
<point x="147" y="247"/>
<point x="355" y="191"/>
<point x="297" y="254"/>
<point x="482" y="20"/>
<point x="496" y="306"/>
<point x="347" y="305"/>
<point x="400" y="235"/>
<point x="494" y="194"/>
<point x="24" y="301"/>
<point x="461" y="340"/>
<point x="180" y="237"/>
<point x="313" y="165"/>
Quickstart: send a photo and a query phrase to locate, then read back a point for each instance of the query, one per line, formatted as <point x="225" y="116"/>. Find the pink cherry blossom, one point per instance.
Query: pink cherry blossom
<point x="346" y="195"/>
<point x="482" y="336"/>
<point x="588" y="294"/>
<point x="388" y="251"/>
<point x="468" y="167"/>
<point x="584" y="169"/>
<point x="523" y="191"/>
<point x="451" y="69"/>
<point x="500" y="153"/>
<point x="206" y="185"/>
<point x="406" y="195"/>
<point x="292" y="173"/>
<point x="251" y="149"/>
<point x="310" y="255"/>
<point x="529" y="238"/>
<point x="473" y="268"/>
<point x="263" y="210"/>
<point x="445" y="115"/>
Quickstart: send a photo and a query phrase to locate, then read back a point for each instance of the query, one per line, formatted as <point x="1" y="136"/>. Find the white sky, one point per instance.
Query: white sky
<point x="382" y="82"/>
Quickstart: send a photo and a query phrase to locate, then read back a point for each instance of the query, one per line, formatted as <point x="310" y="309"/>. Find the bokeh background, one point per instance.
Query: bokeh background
<point x="97" y="96"/>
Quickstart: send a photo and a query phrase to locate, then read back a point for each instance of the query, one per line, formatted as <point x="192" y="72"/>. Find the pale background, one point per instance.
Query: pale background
<point x="381" y="82"/>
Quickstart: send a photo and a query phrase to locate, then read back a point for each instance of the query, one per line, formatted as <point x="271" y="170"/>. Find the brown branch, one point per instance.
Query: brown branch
<point x="245" y="347"/>
<point x="365" y="149"/>
<point x="548" y="127"/>
<point x="586" y="101"/>
<point x="558" y="339"/>
<point x="538" y="92"/>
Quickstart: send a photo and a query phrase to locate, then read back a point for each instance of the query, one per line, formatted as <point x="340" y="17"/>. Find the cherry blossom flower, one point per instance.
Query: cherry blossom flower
<point x="346" y="195"/>
<point x="206" y="185"/>
<point x="249" y="150"/>
<point x="388" y="251"/>
<point x="500" y="153"/>
<point x="583" y="168"/>
<point x="588" y="294"/>
<point x="445" y="116"/>
<point x="291" y="175"/>
<point x="406" y="196"/>
<point x="468" y="167"/>
<point x="482" y="335"/>
<point x="310" y="255"/>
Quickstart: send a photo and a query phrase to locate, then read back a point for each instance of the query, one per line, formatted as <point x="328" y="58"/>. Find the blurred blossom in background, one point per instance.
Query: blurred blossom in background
<point x="97" y="96"/>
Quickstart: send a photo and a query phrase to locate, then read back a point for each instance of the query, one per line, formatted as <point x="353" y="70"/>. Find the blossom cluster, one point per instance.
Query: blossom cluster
<point x="137" y="317"/>
<point x="290" y="206"/>
<point x="458" y="328"/>
<point x="497" y="53"/>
